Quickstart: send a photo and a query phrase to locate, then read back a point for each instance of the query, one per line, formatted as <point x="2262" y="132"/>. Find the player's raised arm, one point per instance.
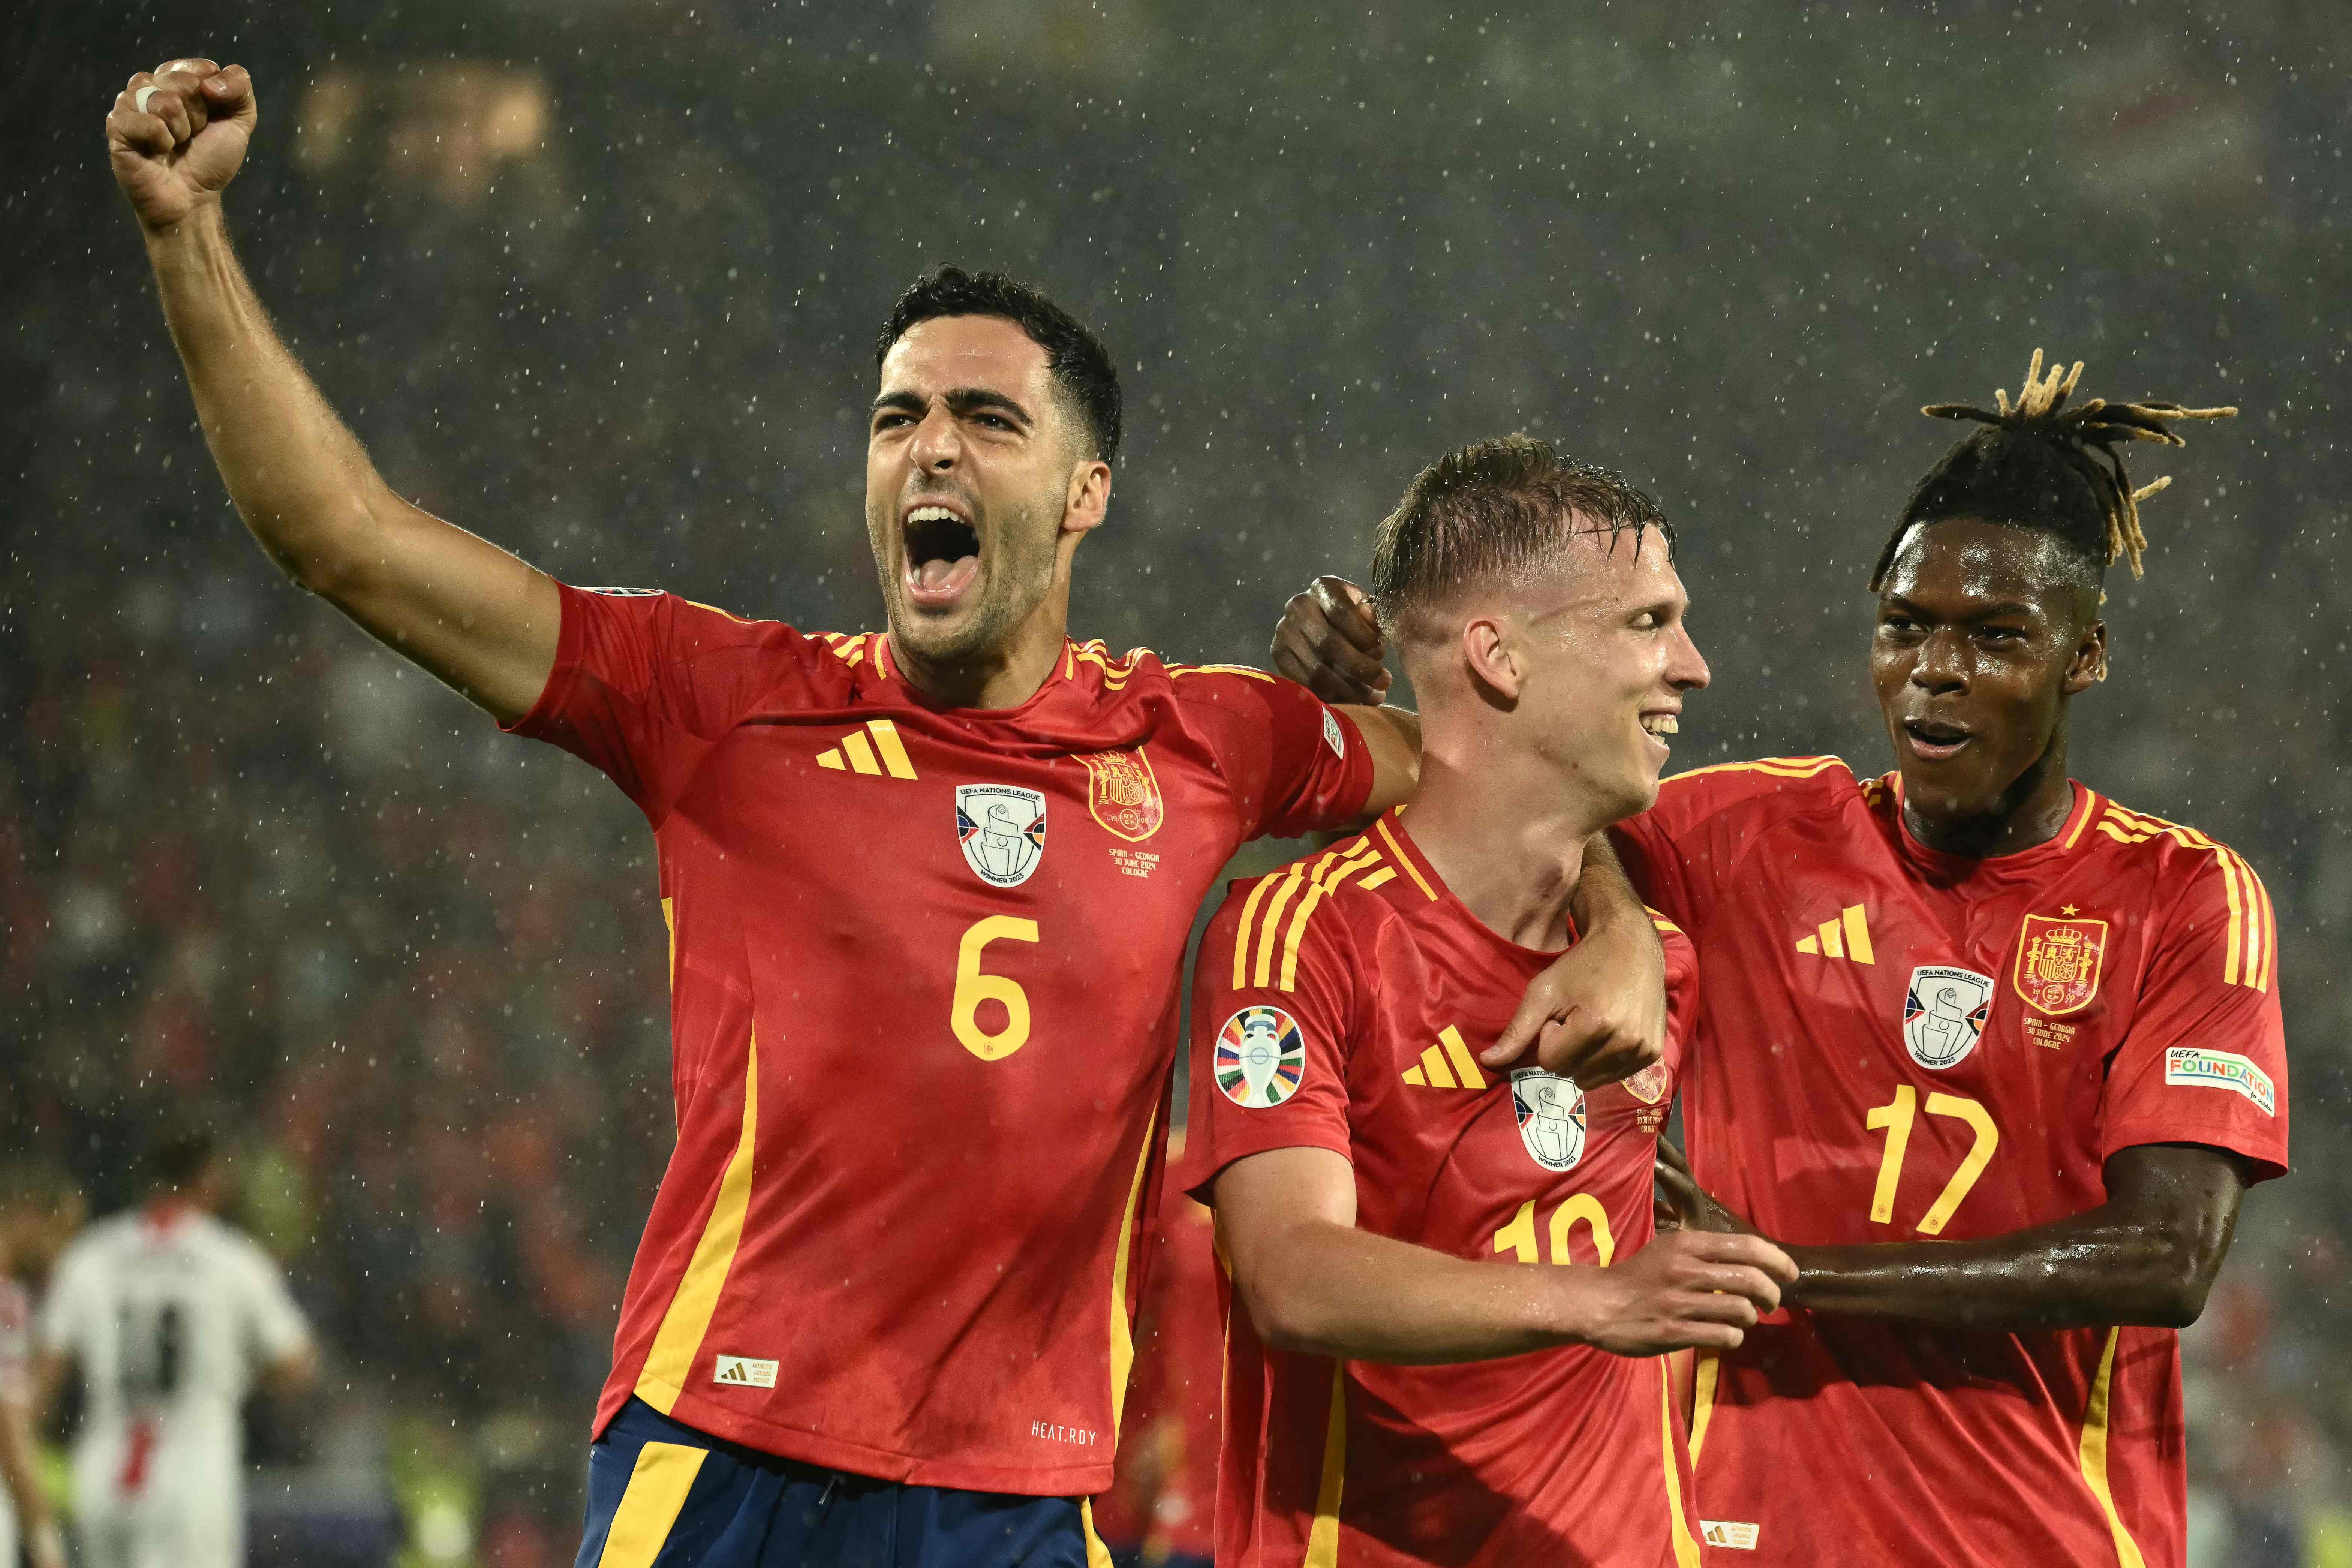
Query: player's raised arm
<point x="467" y="611"/>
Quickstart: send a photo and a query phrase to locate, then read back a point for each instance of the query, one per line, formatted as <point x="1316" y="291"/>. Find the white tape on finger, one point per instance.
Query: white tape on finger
<point x="139" y="100"/>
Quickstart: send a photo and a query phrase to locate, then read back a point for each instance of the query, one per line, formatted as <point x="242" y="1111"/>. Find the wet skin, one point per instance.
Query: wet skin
<point x="1983" y="637"/>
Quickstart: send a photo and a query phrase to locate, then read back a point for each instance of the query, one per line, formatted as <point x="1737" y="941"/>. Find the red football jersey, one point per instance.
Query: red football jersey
<point x="1340" y="1004"/>
<point x="1165" y="1496"/>
<point x="924" y="986"/>
<point x="1894" y="1042"/>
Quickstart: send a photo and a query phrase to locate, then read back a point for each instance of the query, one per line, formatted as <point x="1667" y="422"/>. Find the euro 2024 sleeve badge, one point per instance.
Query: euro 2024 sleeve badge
<point x="1261" y="1057"/>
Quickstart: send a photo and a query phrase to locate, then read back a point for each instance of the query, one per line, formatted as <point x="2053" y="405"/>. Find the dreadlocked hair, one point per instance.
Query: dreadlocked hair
<point x="2045" y="466"/>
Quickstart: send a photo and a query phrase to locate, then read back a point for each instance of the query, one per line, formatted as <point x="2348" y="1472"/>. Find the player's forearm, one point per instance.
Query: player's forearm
<point x="2105" y="1266"/>
<point x="18" y="1473"/>
<point x="1332" y="1290"/>
<point x="301" y="479"/>
<point x="468" y="612"/>
<point x="1605" y="897"/>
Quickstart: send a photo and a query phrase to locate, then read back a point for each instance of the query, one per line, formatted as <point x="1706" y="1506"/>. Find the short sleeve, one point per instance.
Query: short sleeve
<point x="1296" y="764"/>
<point x="277" y="1324"/>
<point x="2205" y="1059"/>
<point x="1269" y="1048"/>
<point x="645" y="683"/>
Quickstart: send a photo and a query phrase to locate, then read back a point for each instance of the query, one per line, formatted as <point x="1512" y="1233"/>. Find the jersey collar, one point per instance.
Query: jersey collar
<point x="1387" y="834"/>
<point x="2059" y="845"/>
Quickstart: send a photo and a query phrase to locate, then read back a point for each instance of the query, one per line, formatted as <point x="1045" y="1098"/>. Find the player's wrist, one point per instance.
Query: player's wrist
<point x="1579" y="1307"/>
<point x="203" y="225"/>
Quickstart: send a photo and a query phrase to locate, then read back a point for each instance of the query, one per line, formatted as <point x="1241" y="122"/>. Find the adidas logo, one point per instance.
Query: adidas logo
<point x="1454" y="1067"/>
<point x="1848" y="936"/>
<point x="885" y="754"/>
<point x="744" y="1372"/>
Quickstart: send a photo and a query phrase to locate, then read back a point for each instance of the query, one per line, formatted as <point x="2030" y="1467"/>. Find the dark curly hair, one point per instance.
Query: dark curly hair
<point x="2039" y="464"/>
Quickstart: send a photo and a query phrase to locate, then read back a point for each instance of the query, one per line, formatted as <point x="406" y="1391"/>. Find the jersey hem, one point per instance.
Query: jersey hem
<point x="878" y="1464"/>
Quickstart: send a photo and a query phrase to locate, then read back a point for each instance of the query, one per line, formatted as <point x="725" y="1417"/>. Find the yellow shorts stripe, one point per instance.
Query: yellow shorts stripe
<point x="658" y="1483"/>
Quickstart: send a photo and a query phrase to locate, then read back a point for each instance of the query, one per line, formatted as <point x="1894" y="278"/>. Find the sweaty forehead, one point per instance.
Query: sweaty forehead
<point x="984" y="353"/>
<point x="1963" y="559"/>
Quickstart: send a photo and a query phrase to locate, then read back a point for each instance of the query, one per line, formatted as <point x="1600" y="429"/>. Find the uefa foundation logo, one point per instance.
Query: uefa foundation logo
<point x="1003" y="831"/>
<point x="1944" y="1014"/>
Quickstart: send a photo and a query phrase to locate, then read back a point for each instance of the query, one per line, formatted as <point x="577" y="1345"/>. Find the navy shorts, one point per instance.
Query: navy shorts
<point x="663" y="1495"/>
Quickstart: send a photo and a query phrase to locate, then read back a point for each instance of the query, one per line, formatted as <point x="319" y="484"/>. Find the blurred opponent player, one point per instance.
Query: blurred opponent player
<point x="1995" y="1056"/>
<point x="1374" y="1187"/>
<point x="928" y="893"/>
<point x="40" y="1211"/>
<point x="170" y="1316"/>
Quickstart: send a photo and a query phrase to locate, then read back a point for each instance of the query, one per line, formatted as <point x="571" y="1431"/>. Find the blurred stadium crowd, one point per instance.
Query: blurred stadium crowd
<point x="598" y="279"/>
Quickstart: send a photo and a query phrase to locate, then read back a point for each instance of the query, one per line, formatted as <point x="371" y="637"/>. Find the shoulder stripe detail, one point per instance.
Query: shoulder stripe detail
<point x="1176" y="669"/>
<point x="1779" y="767"/>
<point x="1242" y="934"/>
<point x="2084" y="815"/>
<point x="1661" y="922"/>
<point x="1365" y="856"/>
<point x="1406" y="861"/>
<point x="1351" y="856"/>
<point x="1378" y="880"/>
<point x="1115" y="671"/>
<point x="739" y="620"/>
<point x="2249" y="952"/>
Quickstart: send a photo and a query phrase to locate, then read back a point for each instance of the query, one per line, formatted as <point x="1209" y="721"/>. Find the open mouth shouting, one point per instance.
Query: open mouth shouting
<point x="1934" y="740"/>
<point x="943" y="552"/>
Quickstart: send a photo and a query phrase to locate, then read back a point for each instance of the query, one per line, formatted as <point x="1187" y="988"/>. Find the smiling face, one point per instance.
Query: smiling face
<point x="1603" y="658"/>
<point x="978" y="485"/>
<point x="1985" y="632"/>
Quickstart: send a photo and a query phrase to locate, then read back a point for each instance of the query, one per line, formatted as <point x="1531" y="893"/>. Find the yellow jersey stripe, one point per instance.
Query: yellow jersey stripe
<point x="1272" y="924"/>
<point x="1122" y="1336"/>
<point x="669" y="924"/>
<point x="1780" y="767"/>
<point x="1685" y="1544"/>
<point x="1316" y="891"/>
<point x="1378" y="880"/>
<point x="2083" y="820"/>
<point x="893" y="750"/>
<point x="1175" y="669"/>
<point x="679" y="1339"/>
<point x="650" y="1504"/>
<point x="1406" y="861"/>
<point x="1242" y="935"/>
<point x="1323" y="1535"/>
<point x="2237" y="922"/>
<point x="1703" y="1381"/>
<point x="2094" y="1456"/>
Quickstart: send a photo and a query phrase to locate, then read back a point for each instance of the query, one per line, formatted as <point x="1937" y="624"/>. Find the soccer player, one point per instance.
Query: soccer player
<point x="1994" y="1056"/>
<point x="40" y="1211"/>
<point x="171" y="1316"/>
<point x="927" y="894"/>
<point x="1398" y="1390"/>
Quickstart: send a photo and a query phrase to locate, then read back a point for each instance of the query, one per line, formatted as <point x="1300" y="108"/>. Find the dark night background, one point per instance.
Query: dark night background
<point x="598" y="278"/>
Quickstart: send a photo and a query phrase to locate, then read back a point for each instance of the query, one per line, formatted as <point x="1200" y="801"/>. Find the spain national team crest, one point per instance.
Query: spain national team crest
<point x="1944" y="1014"/>
<point x="1649" y="1086"/>
<point x="1002" y="830"/>
<point x="2058" y="963"/>
<point x="1551" y="1117"/>
<point x="1261" y="1057"/>
<point x="1123" y="795"/>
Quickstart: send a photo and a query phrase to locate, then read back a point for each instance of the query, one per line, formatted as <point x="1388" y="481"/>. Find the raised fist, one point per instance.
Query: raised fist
<point x="177" y="135"/>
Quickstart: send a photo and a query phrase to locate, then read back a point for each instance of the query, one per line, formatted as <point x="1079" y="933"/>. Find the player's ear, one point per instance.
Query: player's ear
<point x="1088" y="499"/>
<point x="1493" y="662"/>
<point x="2089" y="664"/>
